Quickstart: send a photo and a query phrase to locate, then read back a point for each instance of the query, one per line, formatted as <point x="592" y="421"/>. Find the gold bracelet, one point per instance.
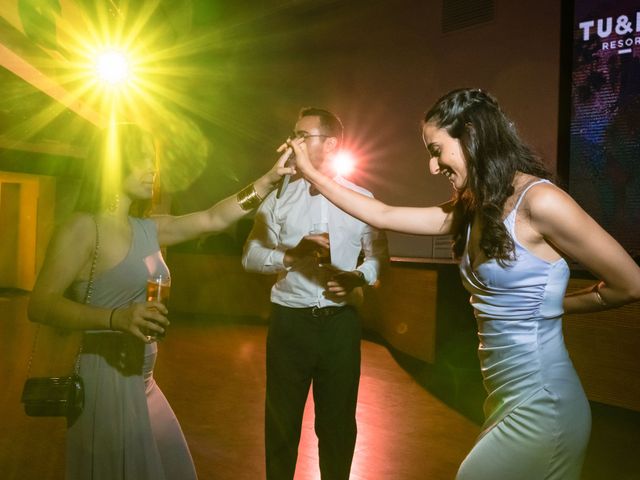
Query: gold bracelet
<point x="248" y="198"/>
<point x="599" y="298"/>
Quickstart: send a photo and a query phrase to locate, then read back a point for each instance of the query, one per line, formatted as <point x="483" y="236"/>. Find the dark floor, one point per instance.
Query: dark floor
<point x="212" y="371"/>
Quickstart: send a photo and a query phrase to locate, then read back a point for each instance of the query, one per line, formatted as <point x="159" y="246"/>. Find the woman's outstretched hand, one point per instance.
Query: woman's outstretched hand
<point x="302" y="164"/>
<point x="280" y="168"/>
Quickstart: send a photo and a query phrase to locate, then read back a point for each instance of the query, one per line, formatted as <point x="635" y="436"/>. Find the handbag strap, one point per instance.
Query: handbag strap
<point x="87" y="299"/>
<point x="89" y="292"/>
<point x="92" y="272"/>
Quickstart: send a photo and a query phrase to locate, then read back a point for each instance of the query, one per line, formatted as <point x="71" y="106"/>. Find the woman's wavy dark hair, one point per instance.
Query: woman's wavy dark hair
<point x="494" y="153"/>
<point x="105" y="168"/>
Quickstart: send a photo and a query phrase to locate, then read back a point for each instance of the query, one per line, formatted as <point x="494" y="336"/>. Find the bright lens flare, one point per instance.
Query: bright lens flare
<point x="112" y="67"/>
<point x="344" y="163"/>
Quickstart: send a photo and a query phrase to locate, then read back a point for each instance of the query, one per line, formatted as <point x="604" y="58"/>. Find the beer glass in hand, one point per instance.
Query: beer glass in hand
<point x="158" y="289"/>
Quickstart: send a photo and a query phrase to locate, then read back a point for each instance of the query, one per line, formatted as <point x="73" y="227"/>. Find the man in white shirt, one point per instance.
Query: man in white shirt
<point x="314" y="334"/>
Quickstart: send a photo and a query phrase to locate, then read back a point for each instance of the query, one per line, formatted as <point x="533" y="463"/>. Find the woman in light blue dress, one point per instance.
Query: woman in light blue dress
<point x="126" y="430"/>
<point x="512" y="230"/>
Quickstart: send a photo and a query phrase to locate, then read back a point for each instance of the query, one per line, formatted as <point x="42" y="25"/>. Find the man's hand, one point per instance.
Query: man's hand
<point x="342" y="283"/>
<point x="309" y="246"/>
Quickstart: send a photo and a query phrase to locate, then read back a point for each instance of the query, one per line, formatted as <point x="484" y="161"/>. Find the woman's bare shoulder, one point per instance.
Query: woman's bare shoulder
<point x="548" y="202"/>
<point x="77" y="231"/>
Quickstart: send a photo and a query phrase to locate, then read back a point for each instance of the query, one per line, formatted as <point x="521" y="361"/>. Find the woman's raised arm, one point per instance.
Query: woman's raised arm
<point x="176" y="229"/>
<point x="435" y="220"/>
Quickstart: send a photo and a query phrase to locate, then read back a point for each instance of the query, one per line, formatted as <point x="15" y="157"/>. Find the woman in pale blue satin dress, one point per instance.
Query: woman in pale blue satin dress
<point x="537" y="415"/>
<point x="127" y="430"/>
<point x="512" y="229"/>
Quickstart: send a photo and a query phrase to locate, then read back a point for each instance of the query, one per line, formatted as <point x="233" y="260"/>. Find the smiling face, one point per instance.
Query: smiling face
<point x="445" y="155"/>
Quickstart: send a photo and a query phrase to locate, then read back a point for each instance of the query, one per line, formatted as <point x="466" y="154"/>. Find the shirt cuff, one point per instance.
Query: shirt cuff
<point x="277" y="259"/>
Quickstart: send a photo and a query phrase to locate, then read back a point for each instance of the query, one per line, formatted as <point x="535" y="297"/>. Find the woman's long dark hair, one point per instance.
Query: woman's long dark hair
<point x="105" y="167"/>
<point x="494" y="153"/>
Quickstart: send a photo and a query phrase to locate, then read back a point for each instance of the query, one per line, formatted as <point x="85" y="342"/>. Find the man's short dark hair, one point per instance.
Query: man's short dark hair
<point x="330" y="122"/>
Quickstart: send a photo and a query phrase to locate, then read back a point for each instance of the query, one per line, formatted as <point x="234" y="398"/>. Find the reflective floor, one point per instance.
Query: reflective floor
<point x="212" y="372"/>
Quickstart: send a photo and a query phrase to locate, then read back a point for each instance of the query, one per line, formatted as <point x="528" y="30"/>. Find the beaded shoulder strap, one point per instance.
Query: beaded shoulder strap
<point x="92" y="272"/>
<point x="87" y="299"/>
<point x="89" y="292"/>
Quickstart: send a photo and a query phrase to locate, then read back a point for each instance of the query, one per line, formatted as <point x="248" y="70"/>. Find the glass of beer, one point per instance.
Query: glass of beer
<point x="158" y="289"/>
<point x="323" y="254"/>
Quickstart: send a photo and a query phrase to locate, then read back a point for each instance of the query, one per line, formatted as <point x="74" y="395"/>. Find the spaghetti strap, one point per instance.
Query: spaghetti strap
<point x="524" y="192"/>
<point x="510" y="220"/>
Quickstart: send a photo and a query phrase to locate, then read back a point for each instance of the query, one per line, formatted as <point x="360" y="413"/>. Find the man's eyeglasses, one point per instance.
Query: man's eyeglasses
<point x="304" y="135"/>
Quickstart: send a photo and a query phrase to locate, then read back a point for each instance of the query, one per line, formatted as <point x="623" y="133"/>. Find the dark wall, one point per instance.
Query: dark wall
<point x="379" y="65"/>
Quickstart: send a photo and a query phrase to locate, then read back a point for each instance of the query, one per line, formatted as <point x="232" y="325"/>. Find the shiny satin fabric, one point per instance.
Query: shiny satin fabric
<point x="127" y="429"/>
<point x="537" y="416"/>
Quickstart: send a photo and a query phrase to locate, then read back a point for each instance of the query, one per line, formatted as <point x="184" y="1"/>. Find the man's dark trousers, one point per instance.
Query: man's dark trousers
<point x="305" y="346"/>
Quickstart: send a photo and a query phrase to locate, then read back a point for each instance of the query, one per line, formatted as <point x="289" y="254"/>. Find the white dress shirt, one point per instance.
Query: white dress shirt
<point x="281" y="223"/>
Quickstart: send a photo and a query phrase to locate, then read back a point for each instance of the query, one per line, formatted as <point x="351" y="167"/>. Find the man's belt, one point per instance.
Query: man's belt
<point x="319" y="312"/>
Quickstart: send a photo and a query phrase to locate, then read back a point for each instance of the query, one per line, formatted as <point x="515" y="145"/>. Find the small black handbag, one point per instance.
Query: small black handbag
<point x="53" y="396"/>
<point x="60" y="396"/>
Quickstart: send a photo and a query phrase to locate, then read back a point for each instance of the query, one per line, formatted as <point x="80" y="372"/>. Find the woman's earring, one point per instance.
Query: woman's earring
<point x="114" y="203"/>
